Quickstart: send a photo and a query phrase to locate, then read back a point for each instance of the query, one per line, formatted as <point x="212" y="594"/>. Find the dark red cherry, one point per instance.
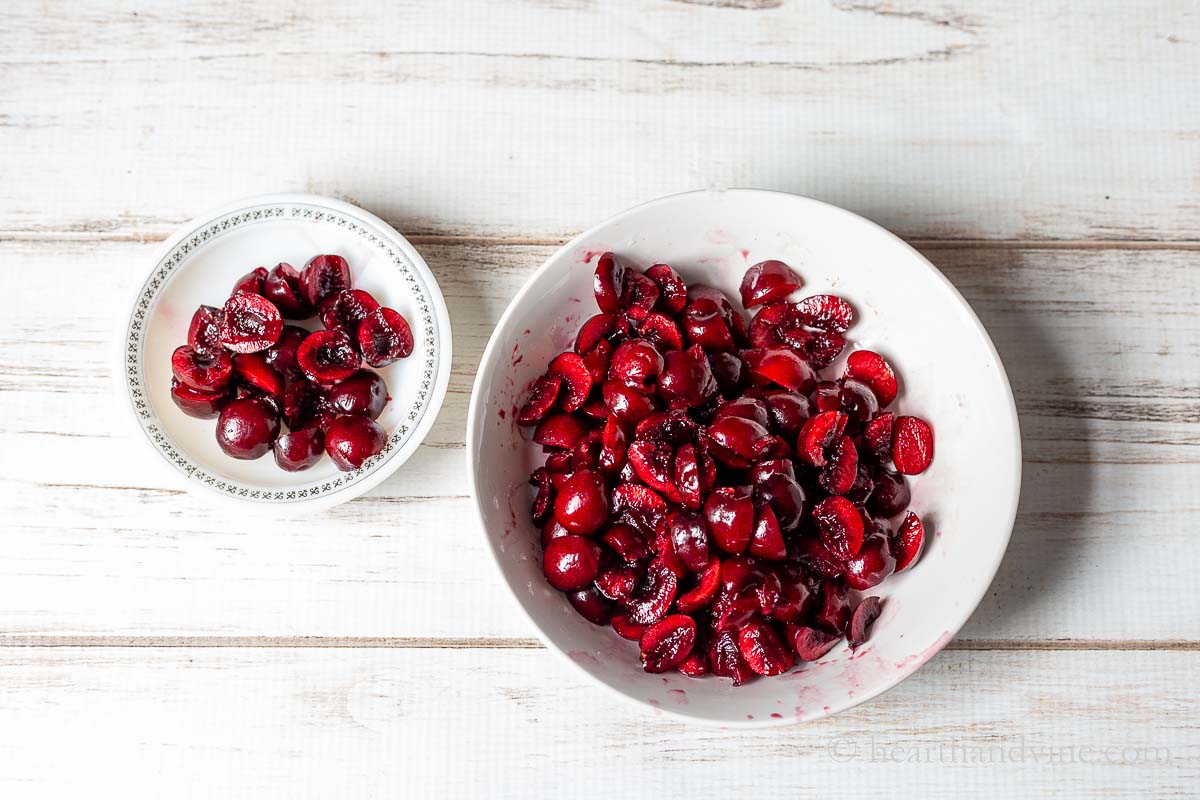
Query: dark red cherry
<point x="282" y="287"/>
<point x="247" y="428"/>
<point x="582" y="503"/>
<point x="364" y="392"/>
<point x="384" y="337"/>
<point x="571" y="562"/>
<point x="200" y="372"/>
<point x="322" y="276"/>
<point x="328" y="357"/>
<point x="299" y="450"/>
<point x="194" y="403"/>
<point x="249" y="323"/>
<point x="204" y="331"/>
<point x="345" y="310"/>
<point x="251" y="282"/>
<point x="351" y="440"/>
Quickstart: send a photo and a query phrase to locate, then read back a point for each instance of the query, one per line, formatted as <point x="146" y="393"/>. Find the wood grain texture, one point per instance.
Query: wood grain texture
<point x="1101" y="359"/>
<point x="952" y="119"/>
<point x="415" y="723"/>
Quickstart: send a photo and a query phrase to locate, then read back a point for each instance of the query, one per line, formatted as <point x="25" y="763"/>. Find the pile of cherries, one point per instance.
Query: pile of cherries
<point x="706" y="492"/>
<point x="255" y="374"/>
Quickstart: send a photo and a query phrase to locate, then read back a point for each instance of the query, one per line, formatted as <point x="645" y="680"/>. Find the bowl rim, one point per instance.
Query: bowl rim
<point x="383" y="469"/>
<point x="489" y="360"/>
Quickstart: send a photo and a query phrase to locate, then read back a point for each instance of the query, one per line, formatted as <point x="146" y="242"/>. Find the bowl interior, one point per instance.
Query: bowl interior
<point x="380" y="262"/>
<point x="907" y="311"/>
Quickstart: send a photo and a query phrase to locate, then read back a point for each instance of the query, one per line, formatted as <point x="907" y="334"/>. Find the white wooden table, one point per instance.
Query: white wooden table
<point x="1045" y="155"/>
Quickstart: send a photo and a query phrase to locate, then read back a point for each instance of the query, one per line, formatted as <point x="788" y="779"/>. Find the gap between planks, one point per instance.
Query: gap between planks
<point x="558" y="241"/>
<point x="500" y="643"/>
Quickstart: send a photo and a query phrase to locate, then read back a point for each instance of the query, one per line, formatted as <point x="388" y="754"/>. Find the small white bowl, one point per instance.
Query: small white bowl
<point x="200" y="264"/>
<point x="950" y="375"/>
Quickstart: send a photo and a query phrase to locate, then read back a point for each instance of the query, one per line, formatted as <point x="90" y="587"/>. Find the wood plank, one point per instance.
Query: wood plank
<point x="959" y="119"/>
<point x="1100" y="355"/>
<point x="434" y="723"/>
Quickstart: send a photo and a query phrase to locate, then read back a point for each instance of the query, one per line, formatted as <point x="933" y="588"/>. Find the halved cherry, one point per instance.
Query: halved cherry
<point x="672" y="291"/>
<point x="729" y="512"/>
<point x="687" y="476"/>
<point x="249" y="323"/>
<point x="639" y="296"/>
<point x="686" y="378"/>
<point x="811" y="643"/>
<point x="198" y="404"/>
<point x="795" y="599"/>
<point x="762" y="649"/>
<point x="767" y="539"/>
<point x="654" y="462"/>
<point x="767" y="281"/>
<point x="282" y="287"/>
<point x="840" y="525"/>
<point x="281" y="356"/>
<point x="666" y="643"/>
<point x="654" y="595"/>
<point x="251" y="282"/>
<point x="821" y="348"/>
<point x="909" y="541"/>
<point x="814" y="555"/>
<point x="871" y="368"/>
<point x="785" y="497"/>
<point x="825" y="312"/>
<point x="327" y="357"/>
<point x="626" y="542"/>
<point x="542" y="397"/>
<point x="780" y="366"/>
<point x="689" y="539"/>
<point x="384" y="337"/>
<point x="544" y="498"/>
<point x="912" y="445"/>
<point x="560" y="430"/>
<point x="871" y="564"/>
<point x="322" y="276"/>
<point x="725" y="656"/>
<point x="253" y="370"/>
<point x="614" y="444"/>
<point x="890" y="495"/>
<point x="626" y="628"/>
<point x="582" y="503"/>
<point x="571" y="562"/>
<point x="704" y="325"/>
<point x="204" y="331"/>
<point x="861" y="620"/>
<point x="593" y="331"/>
<point x="877" y="436"/>
<point x="763" y="470"/>
<point x="841" y="468"/>
<point x="833" y="612"/>
<point x="345" y="310"/>
<point x="735" y="439"/>
<point x="695" y="665"/>
<point x="201" y="372"/>
<point x="617" y="581"/>
<point x="708" y="583"/>
<point x="300" y="449"/>
<point x="640" y="504"/>
<point x="591" y="605"/>
<point x="571" y="369"/>
<point x="628" y="404"/>
<point x="819" y="433"/>
<point x="598" y="360"/>
<point x="635" y="363"/>
<point x="609" y="282"/>
<point x="662" y="331"/>
<point x="789" y="410"/>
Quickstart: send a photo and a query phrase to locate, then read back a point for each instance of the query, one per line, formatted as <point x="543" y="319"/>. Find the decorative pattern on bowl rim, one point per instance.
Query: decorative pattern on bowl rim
<point x="161" y="277"/>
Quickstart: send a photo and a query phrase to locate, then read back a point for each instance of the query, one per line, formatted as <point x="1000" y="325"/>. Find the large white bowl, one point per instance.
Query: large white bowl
<point x="907" y="310"/>
<point x="199" y="265"/>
